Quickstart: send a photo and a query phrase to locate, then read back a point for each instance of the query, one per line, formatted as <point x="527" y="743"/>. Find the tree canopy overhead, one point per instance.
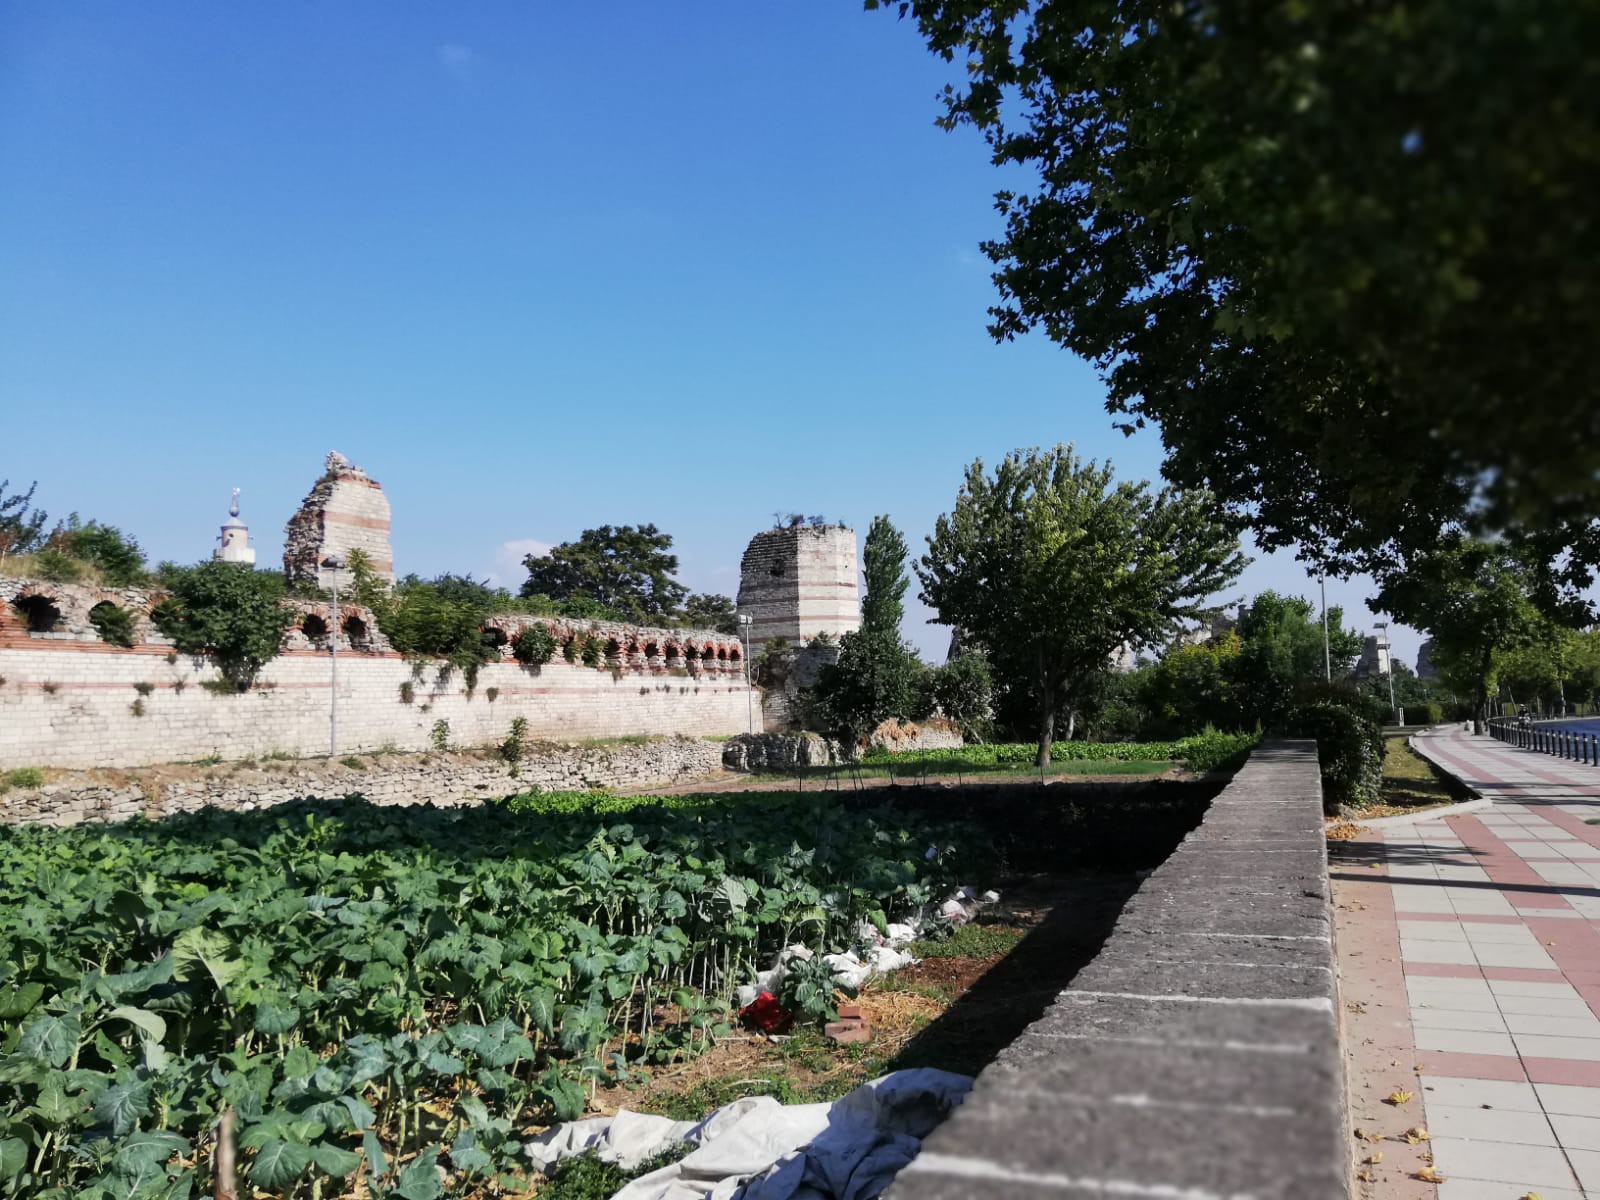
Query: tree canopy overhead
<point x="625" y="568"/>
<point x="1341" y="254"/>
<point x="1053" y="566"/>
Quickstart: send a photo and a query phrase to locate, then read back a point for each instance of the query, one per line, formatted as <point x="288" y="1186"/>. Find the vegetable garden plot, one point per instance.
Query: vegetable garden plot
<point x="381" y="992"/>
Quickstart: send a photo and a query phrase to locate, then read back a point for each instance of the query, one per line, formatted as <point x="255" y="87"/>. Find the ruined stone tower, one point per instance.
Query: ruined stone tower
<point x="345" y="511"/>
<point x="799" y="581"/>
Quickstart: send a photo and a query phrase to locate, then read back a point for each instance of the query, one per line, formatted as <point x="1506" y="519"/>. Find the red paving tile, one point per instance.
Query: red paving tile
<point x="1455" y="1065"/>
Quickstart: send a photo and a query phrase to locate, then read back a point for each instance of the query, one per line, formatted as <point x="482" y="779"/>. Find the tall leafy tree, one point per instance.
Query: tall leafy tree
<point x="21" y="524"/>
<point x="1476" y="601"/>
<point x="1052" y="565"/>
<point x="626" y="568"/>
<point x="708" y="610"/>
<point x="1340" y="253"/>
<point x="1280" y="647"/>
<point x="878" y="675"/>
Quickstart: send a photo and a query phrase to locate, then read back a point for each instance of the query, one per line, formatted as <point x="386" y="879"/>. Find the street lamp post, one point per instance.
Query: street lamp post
<point x="1327" y="652"/>
<point x="335" y="563"/>
<point x="745" y="621"/>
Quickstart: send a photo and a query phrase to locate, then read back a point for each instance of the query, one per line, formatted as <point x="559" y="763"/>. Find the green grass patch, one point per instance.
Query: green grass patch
<point x="910" y="766"/>
<point x="1203" y="752"/>
<point x="971" y="941"/>
<point x="1410" y="781"/>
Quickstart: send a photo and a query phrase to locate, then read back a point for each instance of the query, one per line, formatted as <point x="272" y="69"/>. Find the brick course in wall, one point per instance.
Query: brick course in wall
<point x="1198" y="1054"/>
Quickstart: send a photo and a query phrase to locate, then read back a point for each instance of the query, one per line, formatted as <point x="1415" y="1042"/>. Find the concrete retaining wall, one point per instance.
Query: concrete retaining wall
<point x="1198" y="1055"/>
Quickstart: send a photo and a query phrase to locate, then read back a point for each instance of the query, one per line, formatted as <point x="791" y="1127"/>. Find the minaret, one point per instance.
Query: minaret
<point x="234" y="543"/>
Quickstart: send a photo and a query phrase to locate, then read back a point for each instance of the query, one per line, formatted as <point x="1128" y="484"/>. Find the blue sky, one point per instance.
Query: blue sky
<point x="536" y="267"/>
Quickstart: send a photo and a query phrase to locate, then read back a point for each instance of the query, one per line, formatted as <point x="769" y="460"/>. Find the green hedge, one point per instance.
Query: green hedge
<point x="1349" y="749"/>
<point x="1203" y="752"/>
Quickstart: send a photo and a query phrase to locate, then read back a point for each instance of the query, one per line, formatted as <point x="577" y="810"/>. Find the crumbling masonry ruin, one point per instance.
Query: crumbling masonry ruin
<point x="798" y="582"/>
<point x="345" y="511"/>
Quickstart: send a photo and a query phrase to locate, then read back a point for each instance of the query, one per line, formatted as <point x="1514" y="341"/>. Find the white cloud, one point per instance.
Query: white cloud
<point x="507" y="569"/>
<point x="455" y="57"/>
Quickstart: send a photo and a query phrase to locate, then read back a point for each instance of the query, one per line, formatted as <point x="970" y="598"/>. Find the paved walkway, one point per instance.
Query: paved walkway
<point x="1498" y="917"/>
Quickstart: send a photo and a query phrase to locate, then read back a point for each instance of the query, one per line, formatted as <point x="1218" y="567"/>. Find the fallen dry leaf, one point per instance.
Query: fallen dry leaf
<point x="1355" y="1006"/>
<point x="1530" y="1196"/>
<point x="1429" y="1175"/>
<point x="1375" y="1157"/>
<point x="1418" y="1134"/>
<point x="1397" y="1097"/>
<point x="1368" y="1135"/>
<point x="1364" y="1176"/>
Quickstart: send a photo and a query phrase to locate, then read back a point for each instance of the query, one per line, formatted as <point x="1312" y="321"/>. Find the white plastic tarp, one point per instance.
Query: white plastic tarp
<point x="758" y="1149"/>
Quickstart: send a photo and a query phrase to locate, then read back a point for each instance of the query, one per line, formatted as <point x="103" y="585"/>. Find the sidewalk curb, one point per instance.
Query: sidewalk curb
<point x="1432" y="814"/>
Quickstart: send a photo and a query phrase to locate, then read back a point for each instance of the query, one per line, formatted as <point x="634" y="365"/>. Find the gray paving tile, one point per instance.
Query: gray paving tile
<point x="1476" y="1093"/>
<point x="1502" y="1162"/>
<point x="1569" y="1099"/>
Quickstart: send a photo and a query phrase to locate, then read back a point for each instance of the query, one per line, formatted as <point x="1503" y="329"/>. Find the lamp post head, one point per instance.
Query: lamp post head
<point x="334" y="562"/>
<point x="746" y="620"/>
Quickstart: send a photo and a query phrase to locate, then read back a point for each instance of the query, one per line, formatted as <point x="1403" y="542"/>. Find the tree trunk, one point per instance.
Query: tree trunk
<point x="1047" y="736"/>
<point x="1072" y="723"/>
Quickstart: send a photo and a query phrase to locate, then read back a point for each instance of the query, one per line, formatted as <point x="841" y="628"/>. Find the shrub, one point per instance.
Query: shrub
<point x="513" y="748"/>
<point x="534" y="646"/>
<point x="57" y="567"/>
<point x="113" y="623"/>
<point x="24" y="777"/>
<point x="144" y="689"/>
<point x="408" y="692"/>
<point x="116" y="556"/>
<point x="1425" y="712"/>
<point x="137" y="708"/>
<point x="570" y="648"/>
<point x="1349" y="749"/>
<point x="491" y="694"/>
<point x="963" y="690"/>
<point x="439" y="735"/>
<point x="227" y="610"/>
<point x="593" y="653"/>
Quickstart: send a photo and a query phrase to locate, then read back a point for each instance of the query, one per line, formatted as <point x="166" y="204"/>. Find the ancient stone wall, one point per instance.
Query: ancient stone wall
<point x="785" y="676"/>
<point x="345" y="511"/>
<point x="798" y="582"/>
<point x="442" y="779"/>
<point x="68" y="699"/>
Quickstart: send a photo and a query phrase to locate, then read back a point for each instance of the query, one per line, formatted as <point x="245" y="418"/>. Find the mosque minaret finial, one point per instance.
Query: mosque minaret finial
<point x="234" y="543"/>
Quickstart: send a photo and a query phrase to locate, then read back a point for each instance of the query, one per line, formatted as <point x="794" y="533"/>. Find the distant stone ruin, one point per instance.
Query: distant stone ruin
<point x="798" y="582"/>
<point x="345" y="511"/>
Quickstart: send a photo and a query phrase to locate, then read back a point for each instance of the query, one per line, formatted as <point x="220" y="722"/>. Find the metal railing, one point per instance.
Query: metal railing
<point x="1560" y="743"/>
